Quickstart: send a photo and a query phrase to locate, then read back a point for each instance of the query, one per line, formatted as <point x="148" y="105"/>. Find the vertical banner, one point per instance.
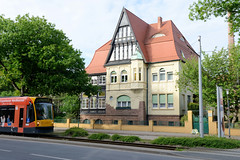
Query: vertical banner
<point x="220" y="111"/>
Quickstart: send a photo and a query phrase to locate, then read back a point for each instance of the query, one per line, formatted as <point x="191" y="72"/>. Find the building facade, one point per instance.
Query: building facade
<point x="137" y="71"/>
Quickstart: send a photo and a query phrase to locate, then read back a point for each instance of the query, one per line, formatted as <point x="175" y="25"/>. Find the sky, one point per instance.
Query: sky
<point x="91" y="23"/>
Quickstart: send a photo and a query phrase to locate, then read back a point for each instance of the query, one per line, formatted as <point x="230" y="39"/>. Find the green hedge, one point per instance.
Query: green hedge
<point x="99" y="136"/>
<point x="76" y="132"/>
<point x="208" y="141"/>
<point x="129" y="139"/>
<point x="116" y="137"/>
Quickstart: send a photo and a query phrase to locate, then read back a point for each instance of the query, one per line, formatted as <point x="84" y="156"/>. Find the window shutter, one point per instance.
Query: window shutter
<point x="162" y="98"/>
<point x="170" y="98"/>
<point x="154" y="98"/>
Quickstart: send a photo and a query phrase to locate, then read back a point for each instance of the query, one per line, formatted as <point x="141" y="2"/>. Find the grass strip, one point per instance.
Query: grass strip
<point x="208" y="141"/>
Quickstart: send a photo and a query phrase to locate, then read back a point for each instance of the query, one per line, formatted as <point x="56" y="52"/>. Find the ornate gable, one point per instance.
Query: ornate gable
<point x="124" y="43"/>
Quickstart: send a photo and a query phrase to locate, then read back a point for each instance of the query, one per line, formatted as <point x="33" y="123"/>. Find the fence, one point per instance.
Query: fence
<point x="213" y="130"/>
<point x="152" y="126"/>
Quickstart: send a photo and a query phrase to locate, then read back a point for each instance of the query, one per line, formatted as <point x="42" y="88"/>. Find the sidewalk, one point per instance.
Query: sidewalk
<point x="141" y="134"/>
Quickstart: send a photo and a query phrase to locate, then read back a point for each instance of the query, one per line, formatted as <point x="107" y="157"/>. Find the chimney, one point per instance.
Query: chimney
<point x="159" y="22"/>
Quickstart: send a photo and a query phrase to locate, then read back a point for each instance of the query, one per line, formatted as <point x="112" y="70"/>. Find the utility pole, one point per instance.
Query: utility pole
<point x="200" y="91"/>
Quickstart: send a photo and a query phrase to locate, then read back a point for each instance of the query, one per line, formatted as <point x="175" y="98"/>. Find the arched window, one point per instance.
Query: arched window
<point x="113" y="77"/>
<point x="86" y="121"/>
<point x="123" y="101"/>
<point x="124" y="76"/>
<point x="162" y="74"/>
<point x="98" y="121"/>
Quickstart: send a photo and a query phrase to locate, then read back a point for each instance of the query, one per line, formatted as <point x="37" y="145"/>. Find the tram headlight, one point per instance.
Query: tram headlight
<point x="38" y="123"/>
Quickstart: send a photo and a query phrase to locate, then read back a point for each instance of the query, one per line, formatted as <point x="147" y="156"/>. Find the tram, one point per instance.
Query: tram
<point x="26" y="115"/>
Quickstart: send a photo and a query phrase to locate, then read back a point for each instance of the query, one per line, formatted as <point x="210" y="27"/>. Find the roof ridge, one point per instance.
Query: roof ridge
<point x="139" y="28"/>
<point x="135" y="16"/>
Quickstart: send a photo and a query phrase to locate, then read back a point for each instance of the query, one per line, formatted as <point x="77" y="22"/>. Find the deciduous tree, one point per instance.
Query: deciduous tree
<point x="204" y="9"/>
<point x="38" y="59"/>
<point x="217" y="69"/>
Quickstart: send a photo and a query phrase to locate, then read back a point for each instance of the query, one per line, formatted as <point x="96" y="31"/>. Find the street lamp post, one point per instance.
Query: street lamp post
<point x="228" y="113"/>
<point x="200" y="91"/>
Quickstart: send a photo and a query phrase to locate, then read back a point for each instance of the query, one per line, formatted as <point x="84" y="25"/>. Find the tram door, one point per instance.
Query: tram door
<point x="20" y="126"/>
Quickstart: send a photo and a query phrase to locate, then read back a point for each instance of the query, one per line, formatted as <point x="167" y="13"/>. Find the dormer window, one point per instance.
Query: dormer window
<point x="182" y="54"/>
<point x="182" y="39"/>
<point x="158" y="35"/>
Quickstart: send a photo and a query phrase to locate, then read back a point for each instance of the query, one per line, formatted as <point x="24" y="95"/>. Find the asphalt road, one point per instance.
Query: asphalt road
<point x="12" y="148"/>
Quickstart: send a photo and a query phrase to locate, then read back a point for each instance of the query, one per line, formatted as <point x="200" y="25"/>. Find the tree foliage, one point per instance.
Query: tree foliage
<point x="204" y="9"/>
<point x="38" y="59"/>
<point x="217" y="69"/>
<point x="70" y="105"/>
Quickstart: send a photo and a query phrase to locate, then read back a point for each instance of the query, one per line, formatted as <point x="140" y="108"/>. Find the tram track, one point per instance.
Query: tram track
<point x="109" y="142"/>
<point x="102" y="142"/>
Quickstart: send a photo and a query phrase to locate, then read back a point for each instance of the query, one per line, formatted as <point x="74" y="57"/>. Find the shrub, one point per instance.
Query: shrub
<point x="208" y="141"/>
<point x="76" y="132"/>
<point x="130" y="139"/>
<point x="184" y="118"/>
<point x="99" y="136"/>
<point x="193" y="106"/>
<point x="116" y="137"/>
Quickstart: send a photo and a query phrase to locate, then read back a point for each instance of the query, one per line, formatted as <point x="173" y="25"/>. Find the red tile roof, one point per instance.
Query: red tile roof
<point x="159" y="49"/>
<point x="96" y="66"/>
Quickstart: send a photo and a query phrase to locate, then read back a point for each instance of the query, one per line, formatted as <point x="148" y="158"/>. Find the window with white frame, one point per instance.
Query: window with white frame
<point x="170" y="100"/>
<point x="85" y="102"/>
<point x="94" y="80"/>
<point x="113" y="77"/>
<point x="102" y="79"/>
<point x="124" y="76"/>
<point x="154" y="77"/>
<point x="162" y="74"/>
<point x="101" y="103"/>
<point x="123" y="101"/>
<point x="154" y="101"/>
<point x="140" y="74"/>
<point x="93" y="102"/>
<point x="162" y="100"/>
<point x="170" y="76"/>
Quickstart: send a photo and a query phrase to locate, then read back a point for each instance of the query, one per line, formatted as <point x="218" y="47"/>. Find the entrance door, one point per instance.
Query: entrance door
<point x="20" y="126"/>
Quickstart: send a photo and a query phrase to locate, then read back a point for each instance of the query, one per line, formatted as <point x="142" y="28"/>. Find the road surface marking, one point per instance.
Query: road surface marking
<point x="4" y="150"/>
<point x="45" y="156"/>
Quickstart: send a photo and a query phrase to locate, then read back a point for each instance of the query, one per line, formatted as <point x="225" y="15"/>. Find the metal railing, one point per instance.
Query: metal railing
<point x="169" y="123"/>
<point x="60" y="120"/>
<point x="130" y="122"/>
<point x="233" y="125"/>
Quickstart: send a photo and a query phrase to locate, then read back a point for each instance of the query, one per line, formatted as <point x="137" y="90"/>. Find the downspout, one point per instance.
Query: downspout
<point x="147" y="96"/>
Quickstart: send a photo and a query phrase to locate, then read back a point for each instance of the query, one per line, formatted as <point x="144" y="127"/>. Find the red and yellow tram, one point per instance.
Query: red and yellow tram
<point x="26" y="115"/>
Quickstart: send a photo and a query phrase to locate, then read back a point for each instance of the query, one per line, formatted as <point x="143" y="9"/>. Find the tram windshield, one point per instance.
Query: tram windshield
<point x="44" y="111"/>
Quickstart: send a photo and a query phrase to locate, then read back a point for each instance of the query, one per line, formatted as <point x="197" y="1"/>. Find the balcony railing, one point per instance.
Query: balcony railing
<point x="93" y="111"/>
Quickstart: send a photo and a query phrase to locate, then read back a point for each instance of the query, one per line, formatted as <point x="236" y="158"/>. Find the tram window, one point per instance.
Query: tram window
<point x="30" y="114"/>
<point x="8" y="112"/>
